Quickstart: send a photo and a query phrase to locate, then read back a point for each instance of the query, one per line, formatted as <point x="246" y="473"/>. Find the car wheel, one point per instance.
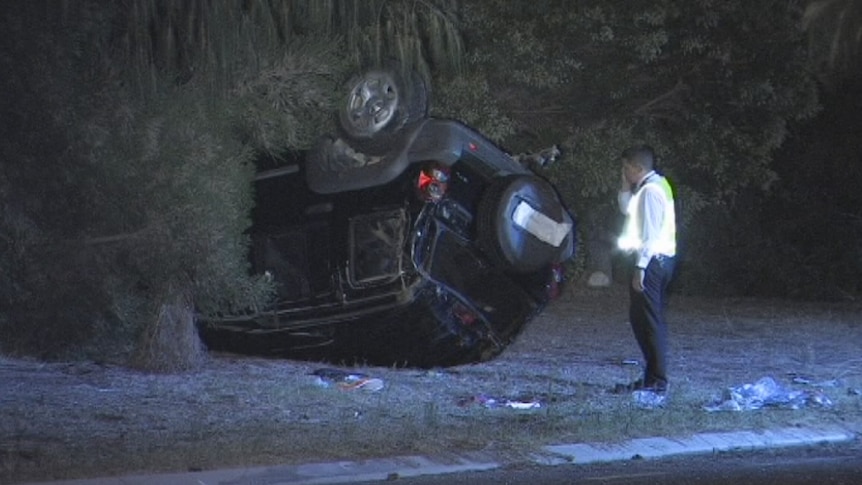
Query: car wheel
<point x="501" y="220"/>
<point x="379" y="104"/>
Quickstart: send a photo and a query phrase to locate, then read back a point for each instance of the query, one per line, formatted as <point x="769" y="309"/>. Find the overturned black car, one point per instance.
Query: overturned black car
<point x="402" y="240"/>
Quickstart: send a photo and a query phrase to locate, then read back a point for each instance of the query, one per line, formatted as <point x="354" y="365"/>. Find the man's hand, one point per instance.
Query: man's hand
<point x="638" y="280"/>
<point x="625" y="186"/>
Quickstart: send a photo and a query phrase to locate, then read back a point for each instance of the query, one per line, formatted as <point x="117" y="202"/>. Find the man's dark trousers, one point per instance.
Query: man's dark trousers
<point x="646" y="314"/>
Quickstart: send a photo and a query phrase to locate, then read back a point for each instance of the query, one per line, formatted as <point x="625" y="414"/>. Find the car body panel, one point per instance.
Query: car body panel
<point x="351" y="243"/>
<point x="340" y="169"/>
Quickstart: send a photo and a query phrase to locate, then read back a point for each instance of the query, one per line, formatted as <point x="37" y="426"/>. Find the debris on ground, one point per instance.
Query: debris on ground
<point x="766" y="392"/>
<point x="649" y="399"/>
<point x="493" y="402"/>
<point x="346" y="381"/>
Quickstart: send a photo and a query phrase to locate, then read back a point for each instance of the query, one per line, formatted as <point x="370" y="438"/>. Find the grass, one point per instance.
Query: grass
<point x="369" y="427"/>
<point x="71" y="421"/>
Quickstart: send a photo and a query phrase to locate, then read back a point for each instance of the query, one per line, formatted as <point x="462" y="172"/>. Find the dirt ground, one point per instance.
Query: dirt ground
<point x="74" y="420"/>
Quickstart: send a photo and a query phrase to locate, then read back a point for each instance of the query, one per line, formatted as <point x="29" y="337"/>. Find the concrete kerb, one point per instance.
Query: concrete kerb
<point x="410" y="466"/>
<point x="584" y="453"/>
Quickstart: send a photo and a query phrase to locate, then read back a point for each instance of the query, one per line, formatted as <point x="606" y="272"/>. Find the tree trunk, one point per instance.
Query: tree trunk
<point x="170" y="342"/>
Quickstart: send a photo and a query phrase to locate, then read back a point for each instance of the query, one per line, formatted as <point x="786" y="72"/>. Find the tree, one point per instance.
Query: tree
<point x="213" y="38"/>
<point x="125" y="210"/>
<point x="711" y="85"/>
<point x="835" y="36"/>
<point x="130" y="145"/>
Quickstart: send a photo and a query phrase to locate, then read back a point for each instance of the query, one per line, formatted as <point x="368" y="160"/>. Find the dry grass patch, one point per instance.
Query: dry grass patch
<point x="85" y="420"/>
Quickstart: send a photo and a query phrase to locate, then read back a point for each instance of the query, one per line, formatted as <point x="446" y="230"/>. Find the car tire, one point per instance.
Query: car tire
<point x="378" y="105"/>
<point x="508" y="245"/>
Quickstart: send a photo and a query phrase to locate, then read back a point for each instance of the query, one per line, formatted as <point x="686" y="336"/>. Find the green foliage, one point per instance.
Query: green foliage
<point x="184" y="186"/>
<point x="151" y="196"/>
<point x="423" y="35"/>
<point x="123" y="194"/>
<point x="801" y="238"/>
<point x="697" y="80"/>
<point x="466" y="98"/>
<point x="835" y="37"/>
<point x="287" y="102"/>
<point x="215" y="39"/>
<point x="710" y="85"/>
<point x="131" y="151"/>
<point x="50" y="294"/>
<point x="257" y="53"/>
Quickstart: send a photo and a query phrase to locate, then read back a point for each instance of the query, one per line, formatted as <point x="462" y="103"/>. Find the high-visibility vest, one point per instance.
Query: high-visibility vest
<point x="632" y="239"/>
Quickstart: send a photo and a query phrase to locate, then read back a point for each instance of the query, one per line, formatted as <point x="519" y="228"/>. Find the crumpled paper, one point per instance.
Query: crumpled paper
<point x="646" y="399"/>
<point x="346" y="381"/>
<point x="494" y="402"/>
<point x="764" y="393"/>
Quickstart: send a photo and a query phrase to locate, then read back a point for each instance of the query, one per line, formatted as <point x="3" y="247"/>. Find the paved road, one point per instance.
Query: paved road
<point x="827" y="465"/>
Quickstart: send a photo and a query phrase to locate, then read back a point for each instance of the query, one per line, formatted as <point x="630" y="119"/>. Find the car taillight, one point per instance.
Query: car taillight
<point x="433" y="182"/>
<point x="464" y="314"/>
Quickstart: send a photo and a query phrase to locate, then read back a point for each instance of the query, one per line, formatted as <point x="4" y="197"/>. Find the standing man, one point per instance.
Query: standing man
<point x="649" y="234"/>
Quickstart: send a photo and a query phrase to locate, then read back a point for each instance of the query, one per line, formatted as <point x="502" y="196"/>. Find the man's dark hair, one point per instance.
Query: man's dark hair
<point x="642" y="155"/>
